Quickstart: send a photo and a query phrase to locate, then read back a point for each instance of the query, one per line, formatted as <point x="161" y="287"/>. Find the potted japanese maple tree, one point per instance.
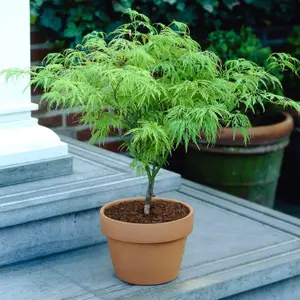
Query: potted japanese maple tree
<point x="154" y="81"/>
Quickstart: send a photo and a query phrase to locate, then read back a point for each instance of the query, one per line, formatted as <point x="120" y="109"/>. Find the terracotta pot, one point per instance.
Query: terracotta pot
<point x="146" y="254"/>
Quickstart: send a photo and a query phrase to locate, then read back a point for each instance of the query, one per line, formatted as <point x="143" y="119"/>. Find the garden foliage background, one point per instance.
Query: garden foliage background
<point x="232" y="28"/>
<point x="71" y="19"/>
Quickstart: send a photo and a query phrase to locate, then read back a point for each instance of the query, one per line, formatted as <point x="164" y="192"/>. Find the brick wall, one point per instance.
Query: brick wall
<point x="62" y="121"/>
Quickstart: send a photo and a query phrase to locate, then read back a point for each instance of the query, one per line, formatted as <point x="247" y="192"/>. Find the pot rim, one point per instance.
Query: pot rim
<point x="111" y="203"/>
<point x="286" y="119"/>
<point x="140" y="233"/>
<point x="259" y="135"/>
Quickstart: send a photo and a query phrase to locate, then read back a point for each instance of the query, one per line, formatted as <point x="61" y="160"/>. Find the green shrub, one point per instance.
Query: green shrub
<point x="243" y="44"/>
<point x="294" y="41"/>
<point x="291" y="84"/>
<point x="68" y="20"/>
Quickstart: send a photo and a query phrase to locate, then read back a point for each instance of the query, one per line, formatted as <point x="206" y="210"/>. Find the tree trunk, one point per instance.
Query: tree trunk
<point x="149" y="196"/>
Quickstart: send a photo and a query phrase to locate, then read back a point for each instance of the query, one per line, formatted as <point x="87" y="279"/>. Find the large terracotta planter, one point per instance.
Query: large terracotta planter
<point x="249" y="172"/>
<point x="146" y="254"/>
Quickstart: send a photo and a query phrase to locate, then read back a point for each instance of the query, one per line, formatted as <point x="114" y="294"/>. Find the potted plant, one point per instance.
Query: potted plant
<point x="154" y="81"/>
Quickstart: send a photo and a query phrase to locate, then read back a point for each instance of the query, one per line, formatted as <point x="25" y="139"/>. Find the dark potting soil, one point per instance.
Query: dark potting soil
<point x="133" y="212"/>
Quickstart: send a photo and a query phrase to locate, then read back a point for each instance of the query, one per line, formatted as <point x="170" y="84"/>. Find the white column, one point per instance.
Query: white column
<point x="22" y="140"/>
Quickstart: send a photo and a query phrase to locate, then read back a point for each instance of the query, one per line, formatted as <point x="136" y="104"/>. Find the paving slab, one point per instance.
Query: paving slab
<point x="34" y="281"/>
<point x="236" y="251"/>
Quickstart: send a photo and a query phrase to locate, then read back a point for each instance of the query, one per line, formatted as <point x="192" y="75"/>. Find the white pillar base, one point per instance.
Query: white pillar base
<point x="27" y="142"/>
<point x="27" y="150"/>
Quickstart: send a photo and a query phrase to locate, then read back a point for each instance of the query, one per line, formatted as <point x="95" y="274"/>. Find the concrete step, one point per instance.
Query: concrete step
<point x="62" y="213"/>
<point x="237" y="251"/>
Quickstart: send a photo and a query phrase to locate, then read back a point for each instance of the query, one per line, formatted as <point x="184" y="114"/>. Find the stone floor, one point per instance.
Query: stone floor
<point x="237" y="250"/>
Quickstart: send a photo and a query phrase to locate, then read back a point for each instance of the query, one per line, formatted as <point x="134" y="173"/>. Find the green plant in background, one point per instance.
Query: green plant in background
<point x="291" y="85"/>
<point x="155" y="81"/>
<point x="294" y="41"/>
<point x="68" y="20"/>
<point x="243" y="44"/>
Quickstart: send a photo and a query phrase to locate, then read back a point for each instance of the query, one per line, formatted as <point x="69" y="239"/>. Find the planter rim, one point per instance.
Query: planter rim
<point x="259" y="135"/>
<point x="146" y="233"/>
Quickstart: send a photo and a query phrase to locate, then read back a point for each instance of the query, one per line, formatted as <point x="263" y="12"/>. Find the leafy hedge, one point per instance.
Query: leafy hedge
<point x="69" y="20"/>
<point x="243" y="44"/>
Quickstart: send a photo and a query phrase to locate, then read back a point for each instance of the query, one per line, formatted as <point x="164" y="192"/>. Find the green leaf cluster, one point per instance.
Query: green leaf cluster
<point x="291" y="84"/>
<point x="242" y="44"/>
<point x="245" y="44"/>
<point x="70" y="20"/>
<point x="294" y="41"/>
